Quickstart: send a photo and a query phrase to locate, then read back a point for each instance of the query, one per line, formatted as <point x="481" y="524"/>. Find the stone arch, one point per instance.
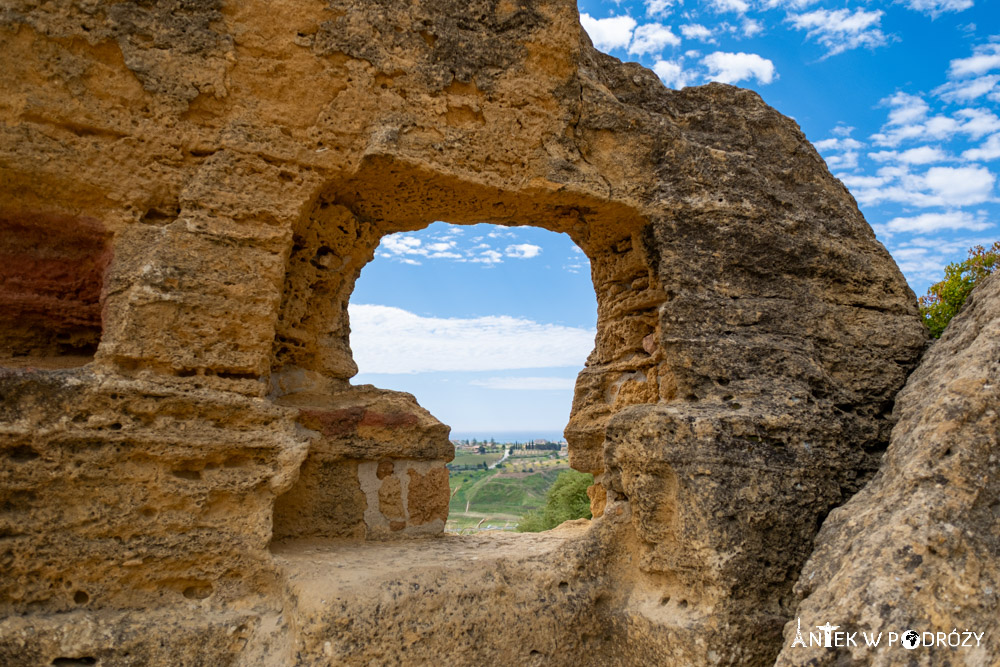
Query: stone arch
<point x="364" y="432"/>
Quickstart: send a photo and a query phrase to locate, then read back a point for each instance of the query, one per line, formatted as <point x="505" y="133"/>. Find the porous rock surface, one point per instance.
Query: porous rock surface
<point x="919" y="547"/>
<point x="194" y="188"/>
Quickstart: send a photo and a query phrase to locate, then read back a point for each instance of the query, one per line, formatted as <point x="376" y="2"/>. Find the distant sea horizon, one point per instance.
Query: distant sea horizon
<point x="509" y="436"/>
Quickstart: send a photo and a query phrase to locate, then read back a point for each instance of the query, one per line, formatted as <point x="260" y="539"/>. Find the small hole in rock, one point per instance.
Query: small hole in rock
<point x="115" y="427"/>
<point x="187" y="474"/>
<point x="665" y="600"/>
<point x="81" y="597"/>
<point x="197" y="592"/>
<point x="22" y="453"/>
<point x="68" y="662"/>
<point x="563" y="585"/>
<point x="683" y="604"/>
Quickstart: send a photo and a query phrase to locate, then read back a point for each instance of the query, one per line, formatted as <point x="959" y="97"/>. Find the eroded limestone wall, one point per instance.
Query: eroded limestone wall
<point x="241" y="162"/>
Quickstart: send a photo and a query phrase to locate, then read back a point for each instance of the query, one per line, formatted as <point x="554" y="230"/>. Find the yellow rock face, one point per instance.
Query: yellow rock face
<point x="190" y="191"/>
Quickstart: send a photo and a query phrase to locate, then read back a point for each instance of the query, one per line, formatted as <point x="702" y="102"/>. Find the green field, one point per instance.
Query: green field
<point x="498" y="498"/>
<point x="474" y="460"/>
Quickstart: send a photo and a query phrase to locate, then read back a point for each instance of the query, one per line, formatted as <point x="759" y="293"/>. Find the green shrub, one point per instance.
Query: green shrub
<point x="566" y="499"/>
<point x="944" y="299"/>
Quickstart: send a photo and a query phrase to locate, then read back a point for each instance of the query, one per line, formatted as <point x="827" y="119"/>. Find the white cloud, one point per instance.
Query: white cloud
<point x="939" y="186"/>
<point x="937" y="7"/>
<point x="523" y="250"/>
<point x="978" y="123"/>
<point x="401" y="244"/>
<point x="697" y="31"/>
<point x="906" y="108"/>
<point x="788" y="4"/>
<point x="406" y="248"/>
<point x="839" y="30"/>
<point x="488" y="257"/>
<point x="733" y="67"/>
<point x="671" y="73"/>
<point x="846" y="160"/>
<point x="974" y="123"/>
<point x="652" y="38"/>
<point x="751" y="27"/>
<point x="934" y="222"/>
<point x="858" y="181"/>
<point x="969" y="89"/>
<point x="989" y="150"/>
<point x="985" y="58"/>
<point x="960" y="186"/>
<point x="838" y="143"/>
<point x="527" y="383"/>
<point x="393" y="340"/>
<point x="919" y="155"/>
<point x="614" y="32"/>
<point x="658" y="7"/>
<point x="738" y="6"/>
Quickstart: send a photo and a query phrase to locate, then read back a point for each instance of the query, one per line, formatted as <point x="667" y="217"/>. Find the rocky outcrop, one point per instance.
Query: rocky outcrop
<point x="214" y="176"/>
<point x="919" y="547"/>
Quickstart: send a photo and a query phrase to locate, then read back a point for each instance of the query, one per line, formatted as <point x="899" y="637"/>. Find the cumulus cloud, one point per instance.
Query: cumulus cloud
<point x="846" y="160"/>
<point x="738" y="6"/>
<point x="935" y="222"/>
<point x="984" y="58"/>
<point x="939" y="186"/>
<point x="652" y="38"/>
<point x="523" y="250"/>
<point x="697" y="31"/>
<point x="906" y="108"/>
<point x="971" y="122"/>
<point x="839" y="30"/>
<point x="614" y="32"/>
<point x="961" y="185"/>
<point x="658" y="7"/>
<point x="407" y="248"/>
<point x="838" y="143"/>
<point x="733" y="67"/>
<point x="989" y="150"/>
<point x="788" y="4"/>
<point x="527" y="383"/>
<point x="861" y="181"/>
<point x="937" y="7"/>
<point x="970" y="89"/>
<point x="751" y="27"/>
<point x="919" y="155"/>
<point x="489" y="256"/>
<point x="671" y="73"/>
<point x="392" y="340"/>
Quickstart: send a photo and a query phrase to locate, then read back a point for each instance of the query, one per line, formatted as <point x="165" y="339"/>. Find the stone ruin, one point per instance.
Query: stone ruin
<point x="187" y="476"/>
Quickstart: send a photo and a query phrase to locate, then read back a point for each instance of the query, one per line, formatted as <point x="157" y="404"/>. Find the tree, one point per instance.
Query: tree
<point x="944" y="299"/>
<point x="566" y="499"/>
<point x="481" y="450"/>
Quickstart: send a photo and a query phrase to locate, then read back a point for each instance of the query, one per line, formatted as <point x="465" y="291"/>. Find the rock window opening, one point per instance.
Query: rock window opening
<point x="51" y="281"/>
<point x="487" y="326"/>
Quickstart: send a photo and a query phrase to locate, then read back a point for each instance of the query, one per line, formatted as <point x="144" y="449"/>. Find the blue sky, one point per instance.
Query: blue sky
<point x="488" y="326"/>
